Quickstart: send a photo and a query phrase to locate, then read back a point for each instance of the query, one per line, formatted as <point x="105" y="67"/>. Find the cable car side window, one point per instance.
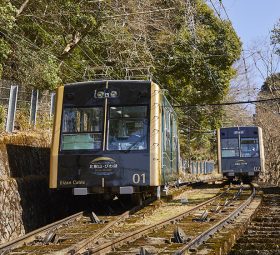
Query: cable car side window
<point x="229" y="147"/>
<point x="128" y="128"/>
<point x="82" y="128"/>
<point x="249" y="147"/>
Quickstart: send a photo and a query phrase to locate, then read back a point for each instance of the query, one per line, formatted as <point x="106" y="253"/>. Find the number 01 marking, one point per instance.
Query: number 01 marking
<point x="137" y="178"/>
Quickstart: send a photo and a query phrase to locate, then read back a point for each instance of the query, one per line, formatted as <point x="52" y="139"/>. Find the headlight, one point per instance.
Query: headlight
<point x="113" y="93"/>
<point x="100" y="94"/>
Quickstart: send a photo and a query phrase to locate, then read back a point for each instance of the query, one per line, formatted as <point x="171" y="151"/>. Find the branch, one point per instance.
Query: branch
<point x="22" y="7"/>
<point x="76" y="38"/>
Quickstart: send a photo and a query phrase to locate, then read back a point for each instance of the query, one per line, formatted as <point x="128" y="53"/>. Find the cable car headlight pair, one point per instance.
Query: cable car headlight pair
<point x="106" y="94"/>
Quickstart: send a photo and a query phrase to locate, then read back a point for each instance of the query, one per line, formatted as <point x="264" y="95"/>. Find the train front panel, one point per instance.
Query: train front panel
<point x="103" y="136"/>
<point x="240" y="151"/>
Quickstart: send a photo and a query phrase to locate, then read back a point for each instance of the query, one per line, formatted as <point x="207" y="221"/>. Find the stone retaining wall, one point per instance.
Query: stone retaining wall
<point x="11" y="224"/>
<point x="26" y="202"/>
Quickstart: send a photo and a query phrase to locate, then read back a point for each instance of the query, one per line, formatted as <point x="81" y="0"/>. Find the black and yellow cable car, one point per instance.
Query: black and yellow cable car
<point x="114" y="137"/>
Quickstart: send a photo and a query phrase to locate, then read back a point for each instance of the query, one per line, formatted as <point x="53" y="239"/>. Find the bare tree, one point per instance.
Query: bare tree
<point x="267" y="63"/>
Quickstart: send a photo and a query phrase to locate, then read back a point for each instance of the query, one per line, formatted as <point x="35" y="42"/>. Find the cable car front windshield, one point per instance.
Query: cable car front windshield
<point x="246" y="148"/>
<point x="230" y="147"/>
<point x="249" y="147"/>
<point x="82" y="128"/>
<point x="128" y="127"/>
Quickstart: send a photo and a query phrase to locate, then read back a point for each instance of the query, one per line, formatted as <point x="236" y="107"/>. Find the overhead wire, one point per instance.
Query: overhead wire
<point x="90" y="50"/>
<point x="34" y="53"/>
<point x="228" y="103"/>
<point x="12" y="33"/>
<point x="194" y="46"/>
<point x="208" y="70"/>
<point x="243" y="57"/>
<point x="158" y="10"/>
<point x="221" y="3"/>
<point x="120" y="15"/>
<point x="40" y="48"/>
<point x="214" y="7"/>
<point x="246" y="75"/>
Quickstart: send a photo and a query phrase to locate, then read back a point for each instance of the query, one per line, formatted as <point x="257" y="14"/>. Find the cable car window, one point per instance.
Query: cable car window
<point x="82" y="128"/>
<point x="128" y="112"/>
<point x="128" y="127"/>
<point x="249" y="147"/>
<point x="173" y="138"/>
<point x="229" y="147"/>
<point x="168" y="131"/>
<point x="163" y="115"/>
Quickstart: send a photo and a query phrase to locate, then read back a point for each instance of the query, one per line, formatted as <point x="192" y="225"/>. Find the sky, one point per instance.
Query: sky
<point x="252" y="19"/>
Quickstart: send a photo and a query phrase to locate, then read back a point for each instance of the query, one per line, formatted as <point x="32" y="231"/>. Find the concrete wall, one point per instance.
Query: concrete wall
<point x="26" y="202"/>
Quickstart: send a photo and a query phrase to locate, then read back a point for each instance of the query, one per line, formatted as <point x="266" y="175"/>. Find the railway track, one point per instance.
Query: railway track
<point x="180" y="233"/>
<point x="62" y="236"/>
<point x="67" y="235"/>
<point x="263" y="234"/>
<point x="75" y="234"/>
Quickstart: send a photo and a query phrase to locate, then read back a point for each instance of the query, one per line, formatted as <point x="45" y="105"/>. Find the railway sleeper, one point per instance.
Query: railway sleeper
<point x="156" y="240"/>
<point x="255" y="252"/>
<point x="268" y="201"/>
<point x="267" y="219"/>
<point x="259" y="240"/>
<point x="262" y="233"/>
<point x="265" y="226"/>
<point x="269" y="205"/>
<point x="257" y="246"/>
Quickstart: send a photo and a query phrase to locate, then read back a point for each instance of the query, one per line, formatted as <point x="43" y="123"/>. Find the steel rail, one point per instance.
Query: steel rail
<point x="73" y="249"/>
<point x="209" y="232"/>
<point x="76" y="248"/>
<point x="32" y="235"/>
<point x="81" y="246"/>
<point x="107" y="247"/>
